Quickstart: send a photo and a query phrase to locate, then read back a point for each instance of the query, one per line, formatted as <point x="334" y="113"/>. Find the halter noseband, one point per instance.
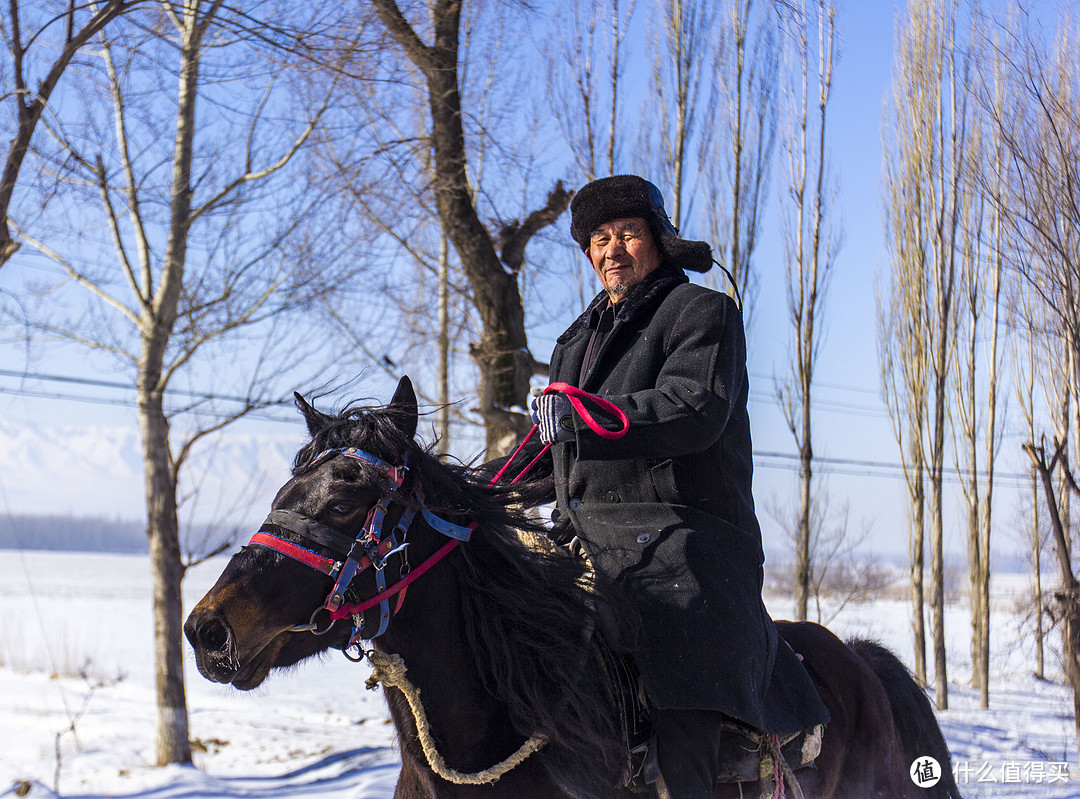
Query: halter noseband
<point x="369" y="548"/>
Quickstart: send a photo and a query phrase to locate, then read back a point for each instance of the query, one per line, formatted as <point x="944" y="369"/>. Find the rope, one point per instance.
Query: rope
<point x="390" y="671"/>
<point x="781" y="771"/>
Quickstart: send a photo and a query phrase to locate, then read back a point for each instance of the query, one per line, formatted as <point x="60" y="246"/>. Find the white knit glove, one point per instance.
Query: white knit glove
<point x="552" y="414"/>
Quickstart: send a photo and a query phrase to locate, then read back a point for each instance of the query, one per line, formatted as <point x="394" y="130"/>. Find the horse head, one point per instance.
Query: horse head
<point x="282" y="582"/>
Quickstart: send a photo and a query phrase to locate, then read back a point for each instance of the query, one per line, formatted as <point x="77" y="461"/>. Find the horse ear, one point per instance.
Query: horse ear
<point x="404" y="402"/>
<point x="316" y="420"/>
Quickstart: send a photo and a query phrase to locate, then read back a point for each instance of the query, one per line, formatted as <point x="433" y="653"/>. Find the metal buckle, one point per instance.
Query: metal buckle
<point x="311" y="626"/>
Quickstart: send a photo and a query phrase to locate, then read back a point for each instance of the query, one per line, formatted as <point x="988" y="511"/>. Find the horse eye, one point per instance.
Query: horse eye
<point x="343" y="508"/>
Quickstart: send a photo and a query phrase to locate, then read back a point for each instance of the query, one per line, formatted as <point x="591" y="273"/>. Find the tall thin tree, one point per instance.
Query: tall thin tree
<point x="811" y="241"/>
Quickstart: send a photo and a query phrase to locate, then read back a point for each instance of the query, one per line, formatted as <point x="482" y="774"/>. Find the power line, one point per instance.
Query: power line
<point x="787" y="461"/>
<point x="127" y="403"/>
<point x="99" y="383"/>
<point x="891" y="469"/>
<point x="834" y="406"/>
<point x="834" y="386"/>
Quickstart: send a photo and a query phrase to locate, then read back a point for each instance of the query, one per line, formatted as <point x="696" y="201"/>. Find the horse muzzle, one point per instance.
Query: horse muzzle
<point x="215" y="646"/>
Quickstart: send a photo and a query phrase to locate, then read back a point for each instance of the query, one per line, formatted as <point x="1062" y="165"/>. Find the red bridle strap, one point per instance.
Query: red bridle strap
<point x="327" y="566"/>
<point x="399" y="586"/>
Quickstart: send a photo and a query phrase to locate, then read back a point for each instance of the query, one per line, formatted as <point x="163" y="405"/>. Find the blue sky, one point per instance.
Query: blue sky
<point x="851" y="423"/>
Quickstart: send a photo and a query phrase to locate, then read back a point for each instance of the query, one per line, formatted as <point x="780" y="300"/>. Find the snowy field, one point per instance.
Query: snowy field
<point x="77" y="711"/>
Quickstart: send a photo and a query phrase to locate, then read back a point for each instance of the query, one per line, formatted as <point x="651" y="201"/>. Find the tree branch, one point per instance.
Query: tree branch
<point x="398" y="27"/>
<point x="30" y="113"/>
<point x="514" y="237"/>
<point x="80" y="278"/>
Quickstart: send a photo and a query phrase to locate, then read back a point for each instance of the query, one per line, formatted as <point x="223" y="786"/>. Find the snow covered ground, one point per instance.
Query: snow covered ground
<point x="77" y="711"/>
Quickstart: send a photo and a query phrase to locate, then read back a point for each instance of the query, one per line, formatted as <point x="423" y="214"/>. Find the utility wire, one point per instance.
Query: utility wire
<point x="90" y="381"/>
<point x="769" y="460"/>
<point x="119" y="401"/>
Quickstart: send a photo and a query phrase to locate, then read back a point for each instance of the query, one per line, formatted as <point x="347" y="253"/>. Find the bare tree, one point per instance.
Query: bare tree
<point x="837" y="572"/>
<point x="930" y="118"/>
<point x="1038" y="121"/>
<point x="685" y="33"/>
<point x="903" y="337"/>
<point x="587" y="66"/>
<point x="503" y="357"/>
<point x="981" y="258"/>
<point x="811" y="242"/>
<point x="31" y="102"/>
<point x="179" y="268"/>
<point x="739" y="136"/>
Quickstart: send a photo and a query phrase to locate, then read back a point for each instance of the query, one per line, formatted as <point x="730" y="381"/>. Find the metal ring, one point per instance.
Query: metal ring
<point x="311" y="626"/>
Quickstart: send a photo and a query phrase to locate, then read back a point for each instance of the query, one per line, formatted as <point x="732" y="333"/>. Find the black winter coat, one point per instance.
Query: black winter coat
<point x="666" y="512"/>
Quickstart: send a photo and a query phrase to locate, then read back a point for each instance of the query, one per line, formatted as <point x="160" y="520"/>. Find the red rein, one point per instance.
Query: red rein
<point x="457" y="534"/>
<point x="576" y="395"/>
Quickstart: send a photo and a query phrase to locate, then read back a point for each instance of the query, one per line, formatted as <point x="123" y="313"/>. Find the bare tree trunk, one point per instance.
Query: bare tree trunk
<point x="502" y="355"/>
<point x="811" y="250"/>
<point x="166" y="566"/>
<point x="937" y="560"/>
<point x="1068" y="595"/>
<point x="918" y="572"/>
<point x="991" y="458"/>
<point x="444" y="344"/>
<point x="159" y="316"/>
<point x="1040" y="655"/>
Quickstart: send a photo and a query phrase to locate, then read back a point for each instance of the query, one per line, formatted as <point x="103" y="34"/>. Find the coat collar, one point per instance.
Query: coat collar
<point x="655" y="286"/>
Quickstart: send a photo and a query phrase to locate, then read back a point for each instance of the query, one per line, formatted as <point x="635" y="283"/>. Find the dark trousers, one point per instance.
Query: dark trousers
<point x="688" y="748"/>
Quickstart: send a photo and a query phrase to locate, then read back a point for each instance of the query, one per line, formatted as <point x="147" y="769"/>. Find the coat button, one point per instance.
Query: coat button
<point x="644" y="538"/>
<point x="575" y="504"/>
<point x="611" y="496"/>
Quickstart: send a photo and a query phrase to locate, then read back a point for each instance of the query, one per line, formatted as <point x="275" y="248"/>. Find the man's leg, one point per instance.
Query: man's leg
<point x="687" y="747"/>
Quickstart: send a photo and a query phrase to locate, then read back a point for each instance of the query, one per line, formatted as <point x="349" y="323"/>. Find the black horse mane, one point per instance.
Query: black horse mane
<point x="528" y="614"/>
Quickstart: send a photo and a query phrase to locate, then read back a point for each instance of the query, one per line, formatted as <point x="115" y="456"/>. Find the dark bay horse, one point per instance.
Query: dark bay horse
<point x="496" y="635"/>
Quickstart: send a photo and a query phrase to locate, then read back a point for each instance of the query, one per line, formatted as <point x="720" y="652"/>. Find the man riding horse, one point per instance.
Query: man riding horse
<point x="666" y="512"/>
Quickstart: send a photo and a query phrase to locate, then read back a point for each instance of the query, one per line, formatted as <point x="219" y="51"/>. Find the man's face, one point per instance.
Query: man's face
<point x="623" y="252"/>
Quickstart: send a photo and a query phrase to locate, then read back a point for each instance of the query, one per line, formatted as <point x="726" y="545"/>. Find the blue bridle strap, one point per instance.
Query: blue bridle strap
<point x="449" y="529"/>
<point x="370" y="545"/>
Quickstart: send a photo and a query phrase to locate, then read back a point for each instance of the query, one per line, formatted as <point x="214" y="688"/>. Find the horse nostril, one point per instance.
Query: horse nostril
<point x="214" y="636"/>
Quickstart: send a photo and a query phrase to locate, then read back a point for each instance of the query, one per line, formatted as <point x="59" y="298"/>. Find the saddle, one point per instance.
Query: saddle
<point x="746" y="755"/>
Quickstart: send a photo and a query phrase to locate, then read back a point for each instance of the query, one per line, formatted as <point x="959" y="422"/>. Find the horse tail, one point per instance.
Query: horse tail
<point x="912" y="713"/>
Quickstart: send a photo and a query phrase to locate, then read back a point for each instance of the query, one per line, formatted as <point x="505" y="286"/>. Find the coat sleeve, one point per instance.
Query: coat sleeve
<point x="702" y="378"/>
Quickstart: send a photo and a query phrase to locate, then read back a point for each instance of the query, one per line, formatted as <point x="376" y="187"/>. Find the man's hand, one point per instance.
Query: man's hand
<point x="552" y="414"/>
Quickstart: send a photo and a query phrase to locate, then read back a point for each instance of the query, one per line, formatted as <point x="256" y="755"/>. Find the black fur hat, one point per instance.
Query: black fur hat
<point x="627" y="196"/>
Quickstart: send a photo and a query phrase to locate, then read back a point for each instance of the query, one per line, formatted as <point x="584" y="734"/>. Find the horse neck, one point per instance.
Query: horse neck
<point x="429" y="635"/>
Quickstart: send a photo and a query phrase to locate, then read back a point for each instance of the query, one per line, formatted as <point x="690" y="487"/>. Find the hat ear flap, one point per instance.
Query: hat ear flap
<point x="693" y="255"/>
